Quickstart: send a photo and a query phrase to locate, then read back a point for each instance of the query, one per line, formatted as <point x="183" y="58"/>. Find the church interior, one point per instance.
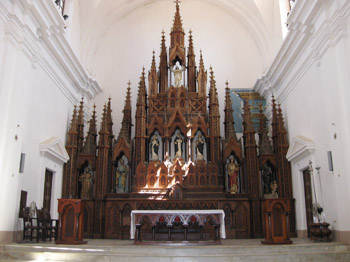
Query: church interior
<point x="175" y="105"/>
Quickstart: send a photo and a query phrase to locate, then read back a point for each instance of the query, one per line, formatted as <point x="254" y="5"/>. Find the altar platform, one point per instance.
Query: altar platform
<point x="125" y="250"/>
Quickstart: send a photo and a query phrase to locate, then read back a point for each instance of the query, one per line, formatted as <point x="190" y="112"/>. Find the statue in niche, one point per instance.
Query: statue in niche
<point x="267" y="177"/>
<point x="154" y="148"/>
<point x="178" y="146"/>
<point x="232" y="171"/>
<point x="177" y="70"/>
<point x="121" y="175"/>
<point x="273" y="188"/>
<point x="86" y="183"/>
<point x="200" y="147"/>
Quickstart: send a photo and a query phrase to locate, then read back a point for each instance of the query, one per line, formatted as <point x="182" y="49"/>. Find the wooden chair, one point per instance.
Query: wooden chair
<point x="47" y="227"/>
<point x="27" y="226"/>
<point x="31" y="227"/>
<point x="50" y="225"/>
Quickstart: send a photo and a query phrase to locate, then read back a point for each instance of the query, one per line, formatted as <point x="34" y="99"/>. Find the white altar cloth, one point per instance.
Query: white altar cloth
<point x="219" y="212"/>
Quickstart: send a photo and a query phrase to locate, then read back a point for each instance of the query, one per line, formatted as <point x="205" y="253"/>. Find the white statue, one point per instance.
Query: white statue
<point x="178" y="146"/>
<point x="154" y="148"/>
<point x="178" y="69"/>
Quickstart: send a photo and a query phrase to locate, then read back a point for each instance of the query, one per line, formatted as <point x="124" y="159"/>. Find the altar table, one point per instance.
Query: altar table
<point x="185" y="217"/>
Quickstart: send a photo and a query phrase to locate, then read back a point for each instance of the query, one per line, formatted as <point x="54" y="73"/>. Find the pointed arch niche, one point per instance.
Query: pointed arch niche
<point x="300" y="153"/>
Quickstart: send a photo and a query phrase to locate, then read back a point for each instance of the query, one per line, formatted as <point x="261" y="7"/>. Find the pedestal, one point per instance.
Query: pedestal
<point x="276" y="215"/>
<point x="70" y="225"/>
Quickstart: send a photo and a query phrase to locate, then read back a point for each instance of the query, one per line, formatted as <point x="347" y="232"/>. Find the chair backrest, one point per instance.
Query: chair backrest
<point x="47" y="215"/>
<point x="25" y="216"/>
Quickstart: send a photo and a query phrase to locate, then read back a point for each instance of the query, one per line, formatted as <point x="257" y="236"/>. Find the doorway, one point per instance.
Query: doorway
<point x="47" y="189"/>
<point x="308" y="199"/>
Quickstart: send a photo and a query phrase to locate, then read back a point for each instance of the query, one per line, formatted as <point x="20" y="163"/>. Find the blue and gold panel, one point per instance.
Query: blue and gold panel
<point x="238" y="96"/>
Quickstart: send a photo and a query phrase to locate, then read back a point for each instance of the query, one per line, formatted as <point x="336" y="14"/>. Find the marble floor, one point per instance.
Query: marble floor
<point x="124" y="250"/>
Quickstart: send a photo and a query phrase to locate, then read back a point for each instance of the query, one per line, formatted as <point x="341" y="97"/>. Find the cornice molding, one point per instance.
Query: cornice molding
<point x="41" y="38"/>
<point x="300" y="147"/>
<point x="310" y="36"/>
<point x="54" y="147"/>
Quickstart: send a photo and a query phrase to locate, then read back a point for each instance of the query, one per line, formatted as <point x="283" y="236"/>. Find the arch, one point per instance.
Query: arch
<point x="106" y="14"/>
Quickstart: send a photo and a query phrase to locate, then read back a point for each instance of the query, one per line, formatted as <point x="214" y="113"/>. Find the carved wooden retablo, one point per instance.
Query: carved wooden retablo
<point x="177" y="158"/>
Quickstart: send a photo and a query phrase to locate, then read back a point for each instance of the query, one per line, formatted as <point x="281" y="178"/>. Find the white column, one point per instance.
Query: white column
<point x="9" y="145"/>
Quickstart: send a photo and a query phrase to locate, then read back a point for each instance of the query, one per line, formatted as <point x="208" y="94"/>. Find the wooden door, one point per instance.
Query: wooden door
<point x="47" y="189"/>
<point x="308" y="199"/>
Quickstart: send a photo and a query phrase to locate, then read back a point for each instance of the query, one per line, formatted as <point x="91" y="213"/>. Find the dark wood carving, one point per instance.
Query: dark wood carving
<point x="168" y="166"/>
<point x="277" y="221"/>
<point x="71" y="217"/>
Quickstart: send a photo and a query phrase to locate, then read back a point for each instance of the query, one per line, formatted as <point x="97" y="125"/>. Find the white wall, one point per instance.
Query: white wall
<point x="310" y="78"/>
<point x="40" y="81"/>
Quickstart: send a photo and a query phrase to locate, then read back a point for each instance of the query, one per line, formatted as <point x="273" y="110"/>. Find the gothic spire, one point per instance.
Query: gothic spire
<point x="125" y="130"/>
<point x="81" y="124"/>
<point x="213" y="96"/>
<point x="140" y="118"/>
<point x="190" y="44"/>
<point x="191" y="66"/>
<point x="177" y="26"/>
<point x="214" y="120"/>
<point x="265" y="147"/>
<point x="162" y="45"/>
<point x="141" y="104"/>
<point x="163" y="67"/>
<point x="229" y="121"/>
<point x="153" y="79"/>
<point x="73" y="130"/>
<point x="177" y="39"/>
<point x="104" y="122"/>
<point x="90" y="143"/>
<point x="201" y="63"/>
<point x="109" y="116"/>
<point x="274" y="124"/>
<point x="202" y="78"/>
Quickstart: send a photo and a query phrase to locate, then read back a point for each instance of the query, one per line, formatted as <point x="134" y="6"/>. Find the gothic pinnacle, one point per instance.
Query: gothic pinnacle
<point x="177" y="19"/>
<point x="201" y="63"/>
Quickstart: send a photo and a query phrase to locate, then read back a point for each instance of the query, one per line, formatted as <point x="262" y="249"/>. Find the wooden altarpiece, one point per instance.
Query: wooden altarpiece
<point x="177" y="159"/>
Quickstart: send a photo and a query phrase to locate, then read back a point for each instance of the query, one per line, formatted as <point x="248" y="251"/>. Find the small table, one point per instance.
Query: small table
<point x="185" y="217"/>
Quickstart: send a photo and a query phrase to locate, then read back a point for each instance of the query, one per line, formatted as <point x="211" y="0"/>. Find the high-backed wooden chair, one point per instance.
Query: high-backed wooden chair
<point x="31" y="227"/>
<point x="51" y="225"/>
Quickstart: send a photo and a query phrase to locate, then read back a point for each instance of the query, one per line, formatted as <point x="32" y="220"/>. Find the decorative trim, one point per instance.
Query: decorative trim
<point x="54" y="147"/>
<point x="299" y="147"/>
<point x="303" y="45"/>
<point x="46" y="45"/>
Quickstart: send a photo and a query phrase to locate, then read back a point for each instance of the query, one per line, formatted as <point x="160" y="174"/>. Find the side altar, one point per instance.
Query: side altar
<point x="177" y="159"/>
